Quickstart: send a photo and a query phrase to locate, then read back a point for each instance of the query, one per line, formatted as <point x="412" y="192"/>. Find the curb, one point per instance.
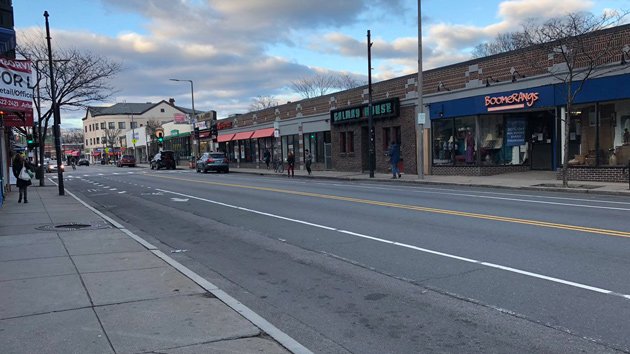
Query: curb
<point x="437" y="183"/>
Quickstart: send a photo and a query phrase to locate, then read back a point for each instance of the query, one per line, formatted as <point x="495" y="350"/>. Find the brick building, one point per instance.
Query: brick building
<point x="487" y="116"/>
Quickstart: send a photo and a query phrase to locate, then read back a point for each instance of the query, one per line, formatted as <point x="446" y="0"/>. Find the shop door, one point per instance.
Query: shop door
<point x="365" y="142"/>
<point x="542" y="140"/>
<point x="328" y="156"/>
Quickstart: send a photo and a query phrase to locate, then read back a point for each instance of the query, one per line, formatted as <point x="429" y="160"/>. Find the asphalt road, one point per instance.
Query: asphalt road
<point x="385" y="268"/>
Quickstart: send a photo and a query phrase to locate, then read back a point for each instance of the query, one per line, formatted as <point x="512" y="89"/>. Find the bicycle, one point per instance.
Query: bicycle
<point x="278" y="166"/>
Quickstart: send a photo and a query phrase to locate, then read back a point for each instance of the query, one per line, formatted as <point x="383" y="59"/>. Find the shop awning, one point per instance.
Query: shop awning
<point x="204" y="135"/>
<point x="263" y="133"/>
<point x="225" y="137"/>
<point x="243" y="136"/>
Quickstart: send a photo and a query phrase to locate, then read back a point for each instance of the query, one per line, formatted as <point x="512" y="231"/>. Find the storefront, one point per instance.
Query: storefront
<point x="521" y="130"/>
<point x="180" y="144"/>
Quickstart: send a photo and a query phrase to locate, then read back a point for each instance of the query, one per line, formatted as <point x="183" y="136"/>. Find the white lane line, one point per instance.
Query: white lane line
<point x="113" y="189"/>
<point x="417" y="190"/>
<point x="408" y="246"/>
<point x="449" y="191"/>
<point x="122" y="192"/>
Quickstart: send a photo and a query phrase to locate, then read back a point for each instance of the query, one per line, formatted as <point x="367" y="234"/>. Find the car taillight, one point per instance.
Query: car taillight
<point x="210" y="161"/>
<point x="225" y="160"/>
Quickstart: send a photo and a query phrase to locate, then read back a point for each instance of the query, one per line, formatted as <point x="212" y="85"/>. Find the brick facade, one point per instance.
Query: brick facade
<point x="477" y="170"/>
<point x="596" y="174"/>
<point x="528" y="62"/>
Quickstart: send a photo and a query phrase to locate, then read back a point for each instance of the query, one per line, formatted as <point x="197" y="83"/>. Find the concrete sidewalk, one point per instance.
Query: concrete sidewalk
<point x="93" y="288"/>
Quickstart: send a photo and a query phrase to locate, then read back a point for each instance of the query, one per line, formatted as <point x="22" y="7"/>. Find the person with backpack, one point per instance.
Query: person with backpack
<point x="291" y="164"/>
<point x="308" y="159"/>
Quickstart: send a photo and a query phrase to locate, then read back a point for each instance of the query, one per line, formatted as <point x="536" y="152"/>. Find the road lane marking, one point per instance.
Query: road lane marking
<point x="546" y="224"/>
<point x="412" y="247"/>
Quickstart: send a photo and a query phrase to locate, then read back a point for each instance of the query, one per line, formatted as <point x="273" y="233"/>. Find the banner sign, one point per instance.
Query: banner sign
<point x="16" y="92"/>
<point x="381" y="109"/>
<point x="515" y="131"/>
<point x="179" y="118"/>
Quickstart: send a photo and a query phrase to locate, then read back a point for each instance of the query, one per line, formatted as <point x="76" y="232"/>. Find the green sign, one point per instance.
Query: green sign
<point x="380" y="109"/>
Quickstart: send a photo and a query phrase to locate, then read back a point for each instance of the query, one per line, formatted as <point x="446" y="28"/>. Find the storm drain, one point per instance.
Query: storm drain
<point x="74" y="226"/>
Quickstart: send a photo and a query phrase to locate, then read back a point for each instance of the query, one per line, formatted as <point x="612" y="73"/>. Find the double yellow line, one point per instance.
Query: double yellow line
<point x="418" y="208"/>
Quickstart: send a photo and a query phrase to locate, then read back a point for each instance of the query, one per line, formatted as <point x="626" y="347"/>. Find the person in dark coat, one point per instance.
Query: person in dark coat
<point x="394" y="158"/>
<point x="18" y="163"/>
<point x="267" y="157"/>
<point x="291" y="164"/>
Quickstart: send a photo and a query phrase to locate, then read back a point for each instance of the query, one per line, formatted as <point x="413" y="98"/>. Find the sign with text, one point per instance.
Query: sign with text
<point x="515" y="131"/>
<point x="16" y="92"/>
<point x="179" y="118"/>
<point x="381" y="109"/>
<point x="514" y="101"/>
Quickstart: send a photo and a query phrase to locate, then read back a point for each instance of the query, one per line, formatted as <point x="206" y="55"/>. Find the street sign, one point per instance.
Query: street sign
<point x="134" y="141"/>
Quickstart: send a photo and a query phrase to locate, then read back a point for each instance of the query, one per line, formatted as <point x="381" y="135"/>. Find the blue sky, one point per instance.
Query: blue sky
<point x="236" y="50"/>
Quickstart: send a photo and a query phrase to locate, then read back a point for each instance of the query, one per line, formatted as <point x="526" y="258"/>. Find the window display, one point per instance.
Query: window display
<point x="466" y="150"/>
<point x="444" y="145"/>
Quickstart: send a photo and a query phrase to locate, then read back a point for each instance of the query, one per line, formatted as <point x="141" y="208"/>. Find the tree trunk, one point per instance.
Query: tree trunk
<point x="565" y="145"/>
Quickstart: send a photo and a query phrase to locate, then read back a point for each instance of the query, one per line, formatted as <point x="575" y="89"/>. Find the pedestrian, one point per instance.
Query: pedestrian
<point x="267" y="157"/>
<point x="23" y="172"/>
<point x="291" y="164"/>
<point x="394" y="158"/>
<point x="308" y="158"/>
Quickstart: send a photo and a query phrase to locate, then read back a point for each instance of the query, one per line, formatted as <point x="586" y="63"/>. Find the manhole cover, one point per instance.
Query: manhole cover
<point x="74" y="226"/>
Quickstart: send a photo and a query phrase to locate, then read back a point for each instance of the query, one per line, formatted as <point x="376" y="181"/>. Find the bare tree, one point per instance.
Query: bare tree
<point x="576" y="57"/>
<point x="262" y="102"/>
<point x="81" y="78"/>
<point x="150" y="128"/>
<point x="73" y="136"/>
<point x="503" y="42"/>
<point x="346" y="81"/>
<point x="314" y="86"/>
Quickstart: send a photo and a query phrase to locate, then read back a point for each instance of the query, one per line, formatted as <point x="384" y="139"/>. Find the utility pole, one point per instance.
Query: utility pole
<point x="55" y="108"/>
<point x="420" y="106"/>
<point x="371" y="156"/>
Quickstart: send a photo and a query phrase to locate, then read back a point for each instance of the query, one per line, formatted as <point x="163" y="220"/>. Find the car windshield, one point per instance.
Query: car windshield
<point x="127" y="157"/>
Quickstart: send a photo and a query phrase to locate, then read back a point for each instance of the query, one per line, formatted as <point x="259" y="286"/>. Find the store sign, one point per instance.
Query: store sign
<point x="16" y="92"/>
<point x="517" y="100"/>
<point x="224" y="125"/>
<point x="381" y="109"/>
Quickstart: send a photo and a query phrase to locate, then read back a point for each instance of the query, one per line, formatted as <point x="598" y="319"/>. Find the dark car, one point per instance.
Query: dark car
<point x="213" y="161"/>
<point x="126" y="160"/>
<point x="163" y="159"/>
<point x="84" y="162"/>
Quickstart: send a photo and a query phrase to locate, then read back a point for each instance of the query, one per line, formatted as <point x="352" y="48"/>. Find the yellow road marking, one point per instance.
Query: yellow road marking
<point x="417" y="208"/>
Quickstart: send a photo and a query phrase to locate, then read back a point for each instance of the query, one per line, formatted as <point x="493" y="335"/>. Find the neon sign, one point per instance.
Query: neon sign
<point x="513" y="101"/>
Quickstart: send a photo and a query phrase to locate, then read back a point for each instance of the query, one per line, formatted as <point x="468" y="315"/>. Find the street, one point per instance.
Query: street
<point x="359" y="267"/>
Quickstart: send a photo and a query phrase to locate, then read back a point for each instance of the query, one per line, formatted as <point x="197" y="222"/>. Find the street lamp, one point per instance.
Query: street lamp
<point x="420" y="106"/>
<point x="194" y="117"/>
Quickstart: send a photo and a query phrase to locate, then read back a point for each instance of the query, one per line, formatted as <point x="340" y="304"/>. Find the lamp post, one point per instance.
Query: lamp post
<point x="420" y="106"/>
<point x="194" y="117"/>
<point x="371" y="148"/>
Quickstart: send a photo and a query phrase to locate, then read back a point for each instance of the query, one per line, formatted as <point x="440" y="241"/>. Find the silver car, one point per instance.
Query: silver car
<point x="213" y="161"/>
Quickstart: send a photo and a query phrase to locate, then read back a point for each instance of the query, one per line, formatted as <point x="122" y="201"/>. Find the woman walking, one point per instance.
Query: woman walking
<point x="309" y="160"/>
<point x="22" y="170"/>
<point x="291" y="164"/>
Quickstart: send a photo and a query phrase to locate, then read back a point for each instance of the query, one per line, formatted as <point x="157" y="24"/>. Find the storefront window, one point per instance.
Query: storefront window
<point x="622" y="133"/>
<point x="444" y="144"/>
<point x="607" y="122"/>
<point x="466" y="150"/>
<point x="491" y="144"/>
<point x="582" y="134"/>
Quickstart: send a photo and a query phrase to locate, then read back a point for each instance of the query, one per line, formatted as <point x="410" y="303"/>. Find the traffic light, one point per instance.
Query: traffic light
<point x="213" y="130"/>
<point x="30" y="142"/>
<point x="160" y="136"/>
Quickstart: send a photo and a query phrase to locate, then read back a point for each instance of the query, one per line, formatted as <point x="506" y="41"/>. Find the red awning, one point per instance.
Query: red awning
<point x="96" y="153"/>
<point x="263" y="133"/>
<point x="243" y="135"/>
<point x="225" y="137"/>
<point x="76" y="153"/>
<point x="204" y="135"/>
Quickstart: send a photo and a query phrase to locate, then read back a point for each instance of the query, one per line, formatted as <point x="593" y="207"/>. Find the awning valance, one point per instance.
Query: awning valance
<point x="243" y="136"/>
<point x="204" y="135"/>
<point x="225" y="137"/>
<point x="263" y="133"/>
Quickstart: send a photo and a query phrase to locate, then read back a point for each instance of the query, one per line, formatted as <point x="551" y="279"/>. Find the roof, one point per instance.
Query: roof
<point x="132" y="109"/>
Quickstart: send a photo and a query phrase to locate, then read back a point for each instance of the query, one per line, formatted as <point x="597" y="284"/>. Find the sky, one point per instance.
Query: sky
<point x="237" y="50"/>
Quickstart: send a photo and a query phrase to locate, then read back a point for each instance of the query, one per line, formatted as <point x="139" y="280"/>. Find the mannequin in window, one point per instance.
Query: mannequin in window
<point x="470" y="147"/>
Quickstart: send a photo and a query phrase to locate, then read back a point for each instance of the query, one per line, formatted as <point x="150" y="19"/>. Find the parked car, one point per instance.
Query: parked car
<point x="213" y="161"/>
<point x="163" y="159"/>
<point x="52" y="166"/>
<point x="84" y="162"/>
<point x="126" y="160"/>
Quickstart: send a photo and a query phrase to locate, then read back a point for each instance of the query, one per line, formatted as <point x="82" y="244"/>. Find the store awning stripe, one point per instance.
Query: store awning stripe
<point x="225" y="137"/>
<point x="243" y="136"/>
<point x="263" y="133"/>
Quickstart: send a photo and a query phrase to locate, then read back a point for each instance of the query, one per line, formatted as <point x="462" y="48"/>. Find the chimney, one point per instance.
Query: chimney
<point x="171" y="101"/>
